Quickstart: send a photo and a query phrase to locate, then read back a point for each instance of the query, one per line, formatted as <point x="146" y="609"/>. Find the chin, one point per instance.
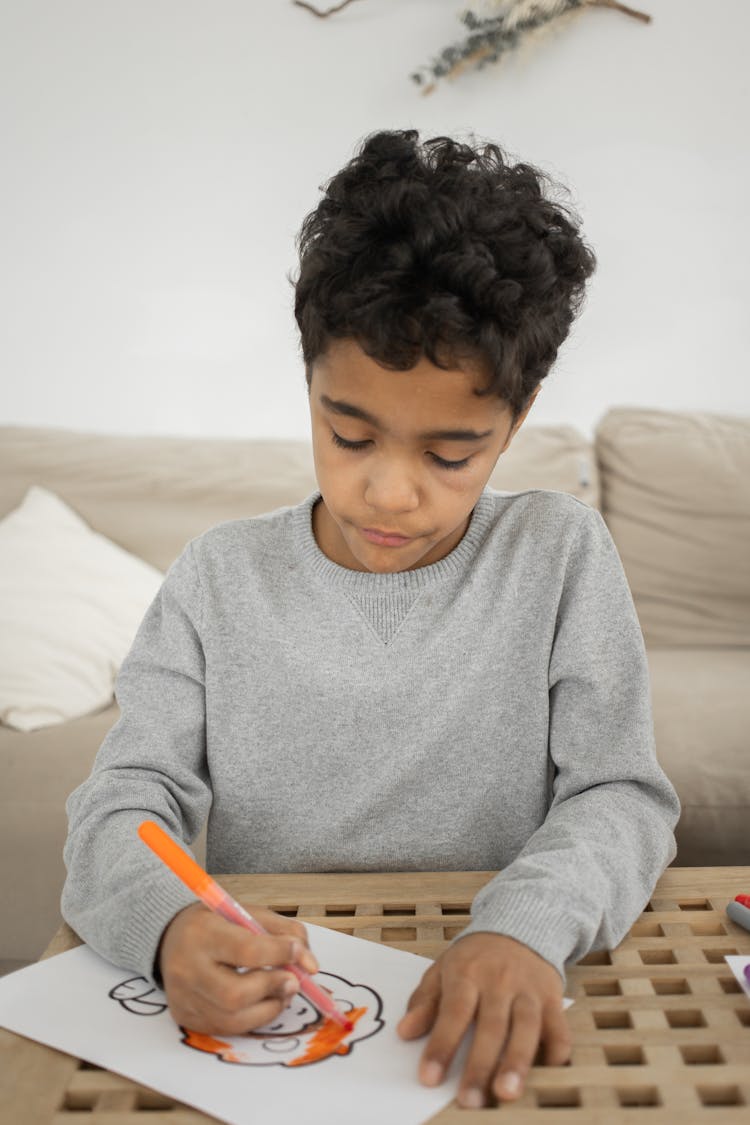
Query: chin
<point x="390" y="565"/>
<point x="375" y="565"/>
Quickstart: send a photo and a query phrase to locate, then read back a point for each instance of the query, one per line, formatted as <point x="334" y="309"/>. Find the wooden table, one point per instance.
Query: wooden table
<point x="661" y="1029"/>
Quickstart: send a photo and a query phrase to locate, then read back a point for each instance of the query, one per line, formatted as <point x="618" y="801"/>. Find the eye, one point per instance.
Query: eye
<point x="450" y="464"/>
<point x="357" y="446"/>
<point x="342" y="443"/>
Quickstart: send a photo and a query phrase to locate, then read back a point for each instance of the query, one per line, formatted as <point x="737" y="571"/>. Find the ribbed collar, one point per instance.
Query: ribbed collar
<point x="362" y="581"/>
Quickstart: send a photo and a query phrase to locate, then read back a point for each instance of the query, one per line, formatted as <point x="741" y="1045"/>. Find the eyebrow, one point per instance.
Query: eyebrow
<point x="336" y="406"/>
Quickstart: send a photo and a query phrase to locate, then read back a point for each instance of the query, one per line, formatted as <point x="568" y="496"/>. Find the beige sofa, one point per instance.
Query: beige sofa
<point x="673" y="488"/>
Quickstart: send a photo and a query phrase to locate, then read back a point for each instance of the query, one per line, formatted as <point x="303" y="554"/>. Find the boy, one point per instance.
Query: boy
<point x="407" y="670"/>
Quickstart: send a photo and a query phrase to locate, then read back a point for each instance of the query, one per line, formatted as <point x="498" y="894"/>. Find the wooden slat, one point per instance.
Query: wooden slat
<point x="370" y="918"/>
<point x="33" y="1079"/>
<point x="661" y="1033"/>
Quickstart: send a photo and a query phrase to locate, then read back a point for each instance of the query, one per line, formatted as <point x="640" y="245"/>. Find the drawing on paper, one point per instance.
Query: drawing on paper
<point x="136" y="995"/>
<point x="298" y="1036"/>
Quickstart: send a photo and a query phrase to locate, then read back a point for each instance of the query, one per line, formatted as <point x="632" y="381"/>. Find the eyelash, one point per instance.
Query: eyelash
<point x="357" y="446"/>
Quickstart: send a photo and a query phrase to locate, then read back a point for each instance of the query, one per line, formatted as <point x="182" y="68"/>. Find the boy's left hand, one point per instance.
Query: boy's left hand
<point x="515" y="998"/>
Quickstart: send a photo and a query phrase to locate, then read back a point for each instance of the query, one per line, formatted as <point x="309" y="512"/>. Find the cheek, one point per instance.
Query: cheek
<point x="458" y="499"/>
<point x="324" y="455"/>
<point x="338" y="474"/>
<point x="337" y="480"/>
<point x="461" y="488"/>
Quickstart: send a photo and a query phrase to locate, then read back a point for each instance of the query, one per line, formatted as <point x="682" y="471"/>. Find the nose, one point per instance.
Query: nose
<point x="390" y="487"/>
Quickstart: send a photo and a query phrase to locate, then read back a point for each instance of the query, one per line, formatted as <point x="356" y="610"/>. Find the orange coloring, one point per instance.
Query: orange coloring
<point x="328" y="1040"/>
<point x="212" y="1046"/>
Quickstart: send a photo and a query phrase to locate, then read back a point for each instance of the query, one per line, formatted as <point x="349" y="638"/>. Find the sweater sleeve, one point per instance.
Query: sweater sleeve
<point x="152" y="765"/>
<point x="583" y="877"/>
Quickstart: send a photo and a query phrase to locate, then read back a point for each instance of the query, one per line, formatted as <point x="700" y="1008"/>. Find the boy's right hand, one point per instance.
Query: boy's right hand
<point x="198" y="959"/>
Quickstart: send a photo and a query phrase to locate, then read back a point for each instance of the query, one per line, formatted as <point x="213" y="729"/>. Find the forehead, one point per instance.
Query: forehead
<point x="425" y="397"/>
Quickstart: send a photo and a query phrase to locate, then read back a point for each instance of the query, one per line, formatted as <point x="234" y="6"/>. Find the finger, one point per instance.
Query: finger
<point x="557" y="1039"/>
<point x="230" y="942"/>
<point x="235" y="946"/>
<point x="523" y="1039"/>
<point x="484" y="1056"/>
<point x="422" y="1007"/>
<point x="420" y="1017"/>
<point x="458" y="1004"/>
<point x="225" y="996"/>
<point x="232" y="992"/>
<point x="280" y="925"/>
<point x="214" y="1021"/>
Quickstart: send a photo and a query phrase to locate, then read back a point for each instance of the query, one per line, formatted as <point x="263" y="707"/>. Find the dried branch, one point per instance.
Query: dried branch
<point x="621" y="8"/>
<point x="328" y="11"/>
<point x="492" y="36"/>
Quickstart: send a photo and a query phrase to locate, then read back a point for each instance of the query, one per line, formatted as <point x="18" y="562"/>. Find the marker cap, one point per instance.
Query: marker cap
<point x="739" y="914"/>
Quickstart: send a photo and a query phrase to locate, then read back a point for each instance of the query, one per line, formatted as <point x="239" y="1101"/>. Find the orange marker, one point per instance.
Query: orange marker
<point x="216" y="899"/>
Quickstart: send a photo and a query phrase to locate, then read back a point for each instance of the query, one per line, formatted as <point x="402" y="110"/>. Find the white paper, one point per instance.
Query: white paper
<point x="737" y="963"/>
<point x="81" y="1004"/>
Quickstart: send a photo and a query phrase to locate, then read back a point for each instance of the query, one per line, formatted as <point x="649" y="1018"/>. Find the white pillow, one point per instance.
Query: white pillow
<point x="70" y="604"/>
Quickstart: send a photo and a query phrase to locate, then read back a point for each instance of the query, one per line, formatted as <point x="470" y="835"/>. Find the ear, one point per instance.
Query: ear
<point x="521" y="418"/>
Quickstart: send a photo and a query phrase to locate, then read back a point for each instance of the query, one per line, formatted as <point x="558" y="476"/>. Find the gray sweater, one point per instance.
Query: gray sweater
<point x="488" y="712"/>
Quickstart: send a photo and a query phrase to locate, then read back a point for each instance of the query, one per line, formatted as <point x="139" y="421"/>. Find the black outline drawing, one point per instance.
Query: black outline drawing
<point x="137" y="1003"/>
<point x="156" y="1006"/>
<point x="272" y="1041"/>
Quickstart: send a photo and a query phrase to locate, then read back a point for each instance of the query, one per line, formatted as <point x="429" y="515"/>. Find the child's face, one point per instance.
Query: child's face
<point x="389" y="500"/>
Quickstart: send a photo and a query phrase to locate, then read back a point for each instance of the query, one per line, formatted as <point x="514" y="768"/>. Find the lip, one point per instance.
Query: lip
<point x="384" y="538"/>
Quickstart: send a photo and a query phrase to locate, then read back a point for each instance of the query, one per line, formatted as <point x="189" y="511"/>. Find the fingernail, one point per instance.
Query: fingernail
<point x="432" y="1073"/>
<point x="291" y="985"/>
<point x="309" y="962"/>
<point x="471" y="1099"/>
<point x="510" y="1084"/>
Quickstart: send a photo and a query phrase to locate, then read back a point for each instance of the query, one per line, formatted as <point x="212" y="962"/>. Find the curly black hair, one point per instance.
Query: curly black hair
<point x="443" y="250"/>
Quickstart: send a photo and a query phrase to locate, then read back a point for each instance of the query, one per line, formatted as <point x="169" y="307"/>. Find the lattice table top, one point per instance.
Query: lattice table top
<point x="661" y="1029"/>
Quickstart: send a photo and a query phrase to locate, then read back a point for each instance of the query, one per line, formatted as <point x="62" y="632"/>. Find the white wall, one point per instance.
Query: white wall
<point x="159" y="155"/>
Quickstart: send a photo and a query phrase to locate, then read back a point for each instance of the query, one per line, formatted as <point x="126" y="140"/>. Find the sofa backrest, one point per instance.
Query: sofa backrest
<point x="556" y="457"/>
<point x="675" y="491"/>
<point x="151" y="495"/>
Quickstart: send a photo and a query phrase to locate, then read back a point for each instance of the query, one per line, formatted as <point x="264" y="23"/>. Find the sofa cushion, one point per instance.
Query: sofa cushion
<point x="700" y="723"/>
<point x="153" y="494"/>
<point x="676" y="498"/>
<point x="40" y="768"/>
<point x="70" y="604"/>
<point x="556" y="457"/>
